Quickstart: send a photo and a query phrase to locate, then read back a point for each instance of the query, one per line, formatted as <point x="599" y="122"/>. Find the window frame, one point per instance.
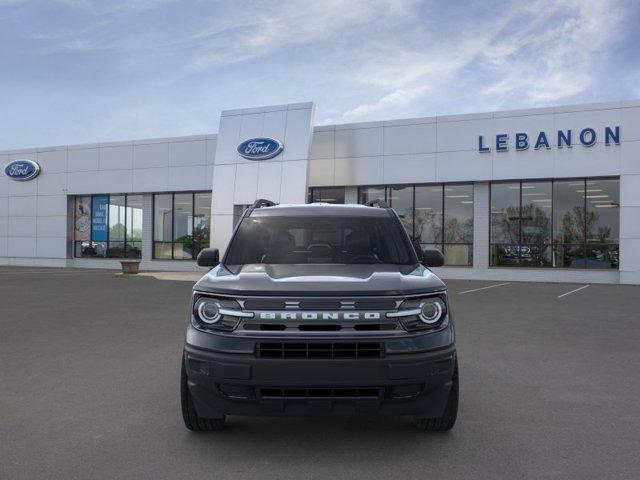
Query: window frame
<point x="553" y="244"/>
<point x="441" y="244"/>
<point x="172" y="242"/>
<point x="337" y="187"/>
<point x="124" y="241"/>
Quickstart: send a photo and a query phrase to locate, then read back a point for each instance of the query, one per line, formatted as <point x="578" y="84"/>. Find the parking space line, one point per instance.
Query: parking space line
<point x="484" y="288"/>
<point x="573" y="291"/>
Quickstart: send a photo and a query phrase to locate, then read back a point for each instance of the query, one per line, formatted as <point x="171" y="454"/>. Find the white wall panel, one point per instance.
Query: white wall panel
<point x="274" y="125"/>
<point x="596" y="119"/>
<point x="22" y="227"/>
<point x="228" y="139"/>
<point x="22" y="188"/>
<point x="150" y="179"/>
<point x="322" y="145"/>
<point x="359" y="171"/>
<point x="269" y="180"/>
<point x="211" y="150"/>
<point x="51" y="247"/>
<point x="83" y="183"/>
<point x="246" y="183"/>
<point x="593" y="161"/>
<point x="189" y="178"/>
<point x="297" y="136"/>
<point x="456" y="167"/>
<point x="321" y="172"/>
<point x="22" y="206"/>
<point x="52" y="184"/>
<point x="224" y="180"/>
<point x="629" y="124"/>
<point x="363" y="142"/>
<point x="52" y="226"/>
<point x="455" y="136"/>
<point x="630" y="157"/>
<point x="422" y="166"/>
<point x="21" y="247"/>
<point x="115" y="181"/>
<point x="83" y="159"/>
<point x="420" y="138"/>
<point x="514" y="164"/>
<point x="188" y="153"/>
<point x="294" y="182"/>
<point x="151" y="155"/>
<point x="51" y="205"/>
<point x="119" y="157"/>
<point x="54" y="161"/>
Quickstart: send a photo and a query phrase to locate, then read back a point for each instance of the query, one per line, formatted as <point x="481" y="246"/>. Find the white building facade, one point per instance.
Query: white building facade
<point x="548" y="194"/>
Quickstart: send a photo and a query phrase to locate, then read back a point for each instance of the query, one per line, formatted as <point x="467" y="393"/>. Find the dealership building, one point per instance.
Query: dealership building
<point x="549" y="194"/>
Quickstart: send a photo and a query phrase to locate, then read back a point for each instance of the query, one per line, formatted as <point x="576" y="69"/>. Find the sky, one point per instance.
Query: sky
<point x="80" y="71"/>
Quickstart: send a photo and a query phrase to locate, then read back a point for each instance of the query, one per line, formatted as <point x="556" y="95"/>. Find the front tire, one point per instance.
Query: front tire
<point x="191" y="418"/>
<point x="445" y="422"/>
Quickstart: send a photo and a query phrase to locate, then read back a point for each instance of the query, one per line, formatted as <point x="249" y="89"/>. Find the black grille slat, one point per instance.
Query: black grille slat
<point x="330" y="393"/>
<point x="311" y="350"/>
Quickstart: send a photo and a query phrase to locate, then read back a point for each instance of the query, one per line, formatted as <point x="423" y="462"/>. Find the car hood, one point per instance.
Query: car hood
<point x="321" y="279"/>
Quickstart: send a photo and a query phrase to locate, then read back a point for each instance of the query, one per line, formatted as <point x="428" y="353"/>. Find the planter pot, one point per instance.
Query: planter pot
<point x="130" y="266"/>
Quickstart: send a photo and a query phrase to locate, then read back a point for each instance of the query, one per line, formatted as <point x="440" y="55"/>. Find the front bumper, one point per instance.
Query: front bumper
<point x="226" y="377"/>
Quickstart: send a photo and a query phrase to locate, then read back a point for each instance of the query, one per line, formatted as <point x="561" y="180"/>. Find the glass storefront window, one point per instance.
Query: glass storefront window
<point x="435" y="216"/>
<point x="458" y="225"/>
<point x="201" y="221"/>
<point x="562" y="224"/>
<point x="505" y="213"/>
<point x="182" y="224"/>
<point x="117" y="219"/>
<point x="327" y="195"/>
<point x="162" y="225"/>
<point x="429" y="219"/>
<point x="108" y="226"/>
<point x="367" y="194"/>
<point x="401" y="200"/>
<point x="134" y="226"/>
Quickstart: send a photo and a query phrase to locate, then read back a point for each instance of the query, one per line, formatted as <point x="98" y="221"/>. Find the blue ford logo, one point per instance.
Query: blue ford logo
<point x="22" y="170"/>
<point x="260" y="148"/>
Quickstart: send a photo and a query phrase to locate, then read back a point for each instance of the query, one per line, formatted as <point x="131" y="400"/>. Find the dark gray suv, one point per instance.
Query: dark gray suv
<point x="320" y="310"/>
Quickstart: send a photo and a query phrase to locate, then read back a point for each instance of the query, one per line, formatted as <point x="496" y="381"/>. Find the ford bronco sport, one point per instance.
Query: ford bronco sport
<point x="319" y="310"/>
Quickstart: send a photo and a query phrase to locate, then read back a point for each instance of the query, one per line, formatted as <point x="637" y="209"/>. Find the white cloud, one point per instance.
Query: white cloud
<point x="247" y="33"/>
<point x="542" y="52"/>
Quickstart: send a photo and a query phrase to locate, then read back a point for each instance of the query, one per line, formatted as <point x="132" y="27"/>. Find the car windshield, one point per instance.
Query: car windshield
<point x="320" y="239"/>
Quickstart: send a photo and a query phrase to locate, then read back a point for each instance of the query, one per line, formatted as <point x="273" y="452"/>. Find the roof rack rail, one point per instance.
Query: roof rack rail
<point x="261" y="202"/>
<point x="377" y="203"/>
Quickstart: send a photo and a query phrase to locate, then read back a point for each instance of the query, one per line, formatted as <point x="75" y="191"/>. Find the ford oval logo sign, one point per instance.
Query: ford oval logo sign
<point x="260" y="148"/>
<point x="22" y="170"/>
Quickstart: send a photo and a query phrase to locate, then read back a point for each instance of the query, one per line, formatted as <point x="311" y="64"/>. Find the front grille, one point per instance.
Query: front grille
<point x="320" y="327"/>
<point x="323" y="304"/>
<point x="358" y="350"/>
<point x="332" y="393"/>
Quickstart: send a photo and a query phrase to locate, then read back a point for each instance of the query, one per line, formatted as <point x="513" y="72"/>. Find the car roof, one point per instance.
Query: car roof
<point x="321" y="209"/>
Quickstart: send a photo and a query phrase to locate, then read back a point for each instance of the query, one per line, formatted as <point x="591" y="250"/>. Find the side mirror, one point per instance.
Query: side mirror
<point x="432" y="258"/>
<point x="208" y="257"/>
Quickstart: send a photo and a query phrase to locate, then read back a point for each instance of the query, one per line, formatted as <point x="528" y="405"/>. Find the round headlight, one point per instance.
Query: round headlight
<point x="208" y="311"/>
<point x="431" y="311"/>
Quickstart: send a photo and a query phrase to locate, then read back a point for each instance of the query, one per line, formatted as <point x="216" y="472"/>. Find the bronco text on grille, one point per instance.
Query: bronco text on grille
<point x="320" y="310"/>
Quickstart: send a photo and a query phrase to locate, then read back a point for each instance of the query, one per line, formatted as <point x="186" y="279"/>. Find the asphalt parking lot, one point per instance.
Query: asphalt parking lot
<point x="89" y="369"/>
